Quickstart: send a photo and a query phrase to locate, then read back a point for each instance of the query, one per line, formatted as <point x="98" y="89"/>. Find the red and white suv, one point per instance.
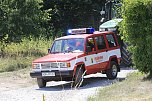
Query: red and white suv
<point x="73" y="56"/>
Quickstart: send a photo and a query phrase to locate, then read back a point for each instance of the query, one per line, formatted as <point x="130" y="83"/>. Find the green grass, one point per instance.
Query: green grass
<point x="17" y="56"/>
<point x="12" y="64"/>
<point x="135" y="88"/>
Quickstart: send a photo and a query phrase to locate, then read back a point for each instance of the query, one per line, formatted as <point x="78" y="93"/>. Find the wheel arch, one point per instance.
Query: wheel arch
<point x="79" y="65"/>
<point x="115" y="59"/>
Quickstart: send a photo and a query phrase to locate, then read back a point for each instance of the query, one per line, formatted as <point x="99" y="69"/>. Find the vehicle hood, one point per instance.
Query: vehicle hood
<point x="111" y="23"/>
<point x="60" y="57"/>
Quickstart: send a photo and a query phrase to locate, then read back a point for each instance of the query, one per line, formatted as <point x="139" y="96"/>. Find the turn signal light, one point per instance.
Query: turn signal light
<point x="68" y="64"/>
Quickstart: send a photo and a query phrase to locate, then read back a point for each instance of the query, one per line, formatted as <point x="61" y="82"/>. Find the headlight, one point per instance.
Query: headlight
<point x="36" y="66"/>
<point x="62" y="64"/>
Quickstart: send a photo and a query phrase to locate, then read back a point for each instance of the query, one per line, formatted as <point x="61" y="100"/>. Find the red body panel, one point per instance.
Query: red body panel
<point x="61" y="57"/>
<point x="96" y="68"/>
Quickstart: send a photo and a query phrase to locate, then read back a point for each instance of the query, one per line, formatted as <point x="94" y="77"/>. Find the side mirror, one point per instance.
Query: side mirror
<point x="49" y="50"/>
<point x="88" y="49"/>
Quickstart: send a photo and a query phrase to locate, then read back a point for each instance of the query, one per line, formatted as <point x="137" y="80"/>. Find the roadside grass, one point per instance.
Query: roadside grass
<point x="137" y="87"/>
<point x="16" y="56"/>
<point x="12" y="64"/>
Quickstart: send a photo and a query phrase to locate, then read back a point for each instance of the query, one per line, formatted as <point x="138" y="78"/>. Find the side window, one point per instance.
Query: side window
<point x="100" y="42"/>
<point x="57" y="46"/>
<point x="90" y="45"/>
<point x="111" y="40"/>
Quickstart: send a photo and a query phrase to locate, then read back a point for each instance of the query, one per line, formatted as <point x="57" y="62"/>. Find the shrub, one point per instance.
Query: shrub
<point x="27" y="47"/>
<point x="15" y="56"/>
<point x="11" y="64"/>
<point x="137" y="31"/>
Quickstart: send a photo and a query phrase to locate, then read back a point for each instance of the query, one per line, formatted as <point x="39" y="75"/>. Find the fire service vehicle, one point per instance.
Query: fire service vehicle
<point x="83" y="51"/>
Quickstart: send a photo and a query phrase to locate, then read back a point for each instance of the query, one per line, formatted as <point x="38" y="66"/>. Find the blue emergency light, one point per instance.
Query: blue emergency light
<point x="80" y="31"/>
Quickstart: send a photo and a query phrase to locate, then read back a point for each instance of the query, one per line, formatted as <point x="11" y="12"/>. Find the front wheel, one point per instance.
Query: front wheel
<point x="41" y="83"/>
<point x="112" y="71"/>
<point x="78" y="77"/>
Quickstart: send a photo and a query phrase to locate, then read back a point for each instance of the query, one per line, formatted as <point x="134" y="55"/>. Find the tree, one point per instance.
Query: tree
<point x="137" y="31"/>
<point x="21" y="18"/>
<point x="67" y="14"/>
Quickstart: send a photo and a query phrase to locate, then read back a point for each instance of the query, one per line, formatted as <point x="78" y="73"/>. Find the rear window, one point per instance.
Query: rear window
<point x="111" y="40"/>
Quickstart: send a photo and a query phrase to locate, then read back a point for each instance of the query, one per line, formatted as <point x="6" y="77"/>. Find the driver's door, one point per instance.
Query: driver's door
<point x="90" y="62"/>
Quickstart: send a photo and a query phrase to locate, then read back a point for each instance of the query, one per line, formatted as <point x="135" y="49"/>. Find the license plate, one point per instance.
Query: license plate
<point x="48" y="74"/>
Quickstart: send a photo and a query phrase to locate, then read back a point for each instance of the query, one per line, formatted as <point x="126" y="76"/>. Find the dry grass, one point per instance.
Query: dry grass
<point x="135" y="88"/>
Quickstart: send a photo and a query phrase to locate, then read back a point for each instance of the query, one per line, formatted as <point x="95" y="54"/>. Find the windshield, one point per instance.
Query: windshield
<point x="68" y="45"/>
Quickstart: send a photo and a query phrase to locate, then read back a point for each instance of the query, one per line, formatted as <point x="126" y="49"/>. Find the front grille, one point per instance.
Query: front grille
<point x="49" y="65"/>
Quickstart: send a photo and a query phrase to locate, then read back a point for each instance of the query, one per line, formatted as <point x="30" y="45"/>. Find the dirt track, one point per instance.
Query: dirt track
<point x="16" y="89"/>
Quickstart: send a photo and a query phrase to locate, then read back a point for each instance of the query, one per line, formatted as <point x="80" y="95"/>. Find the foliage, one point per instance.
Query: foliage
<point x="28" y="47"/>
<point x="137" y="31"/>
<point x="19" y="55"/>
<point x="11" y="64"/>
<point x="25" y="18"/>
<point x="67" y="14"/>
<point x="22" y="19"/>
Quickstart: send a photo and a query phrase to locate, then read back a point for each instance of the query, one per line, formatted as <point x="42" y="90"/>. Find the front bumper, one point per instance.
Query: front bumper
<point x="59" y="75"/>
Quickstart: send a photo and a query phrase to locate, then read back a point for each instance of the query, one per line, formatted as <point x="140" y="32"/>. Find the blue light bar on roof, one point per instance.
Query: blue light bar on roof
<point x="81" y="31"/>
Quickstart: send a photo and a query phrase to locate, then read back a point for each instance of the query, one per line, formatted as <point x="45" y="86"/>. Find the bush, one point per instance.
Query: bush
<point x="15" y="56"/>
<point x="11" y="64"/>
<point x="27" y="47"/>
<point x="137" y="31"/>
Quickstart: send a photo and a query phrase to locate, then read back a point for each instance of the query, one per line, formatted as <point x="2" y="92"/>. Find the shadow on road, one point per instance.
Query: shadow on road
<point x="89" y="82"/>
<point x="99" y="82"/>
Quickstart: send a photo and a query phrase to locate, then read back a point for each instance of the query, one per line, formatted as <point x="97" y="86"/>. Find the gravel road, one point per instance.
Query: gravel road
<point x="61" y="91"/>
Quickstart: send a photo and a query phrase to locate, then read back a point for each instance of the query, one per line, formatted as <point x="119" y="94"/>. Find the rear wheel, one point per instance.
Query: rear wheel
<point x="41" y="83"/>
<point x="112" y="71"/>
<point x="126" y="55"/>
<point x="78" y="80"/>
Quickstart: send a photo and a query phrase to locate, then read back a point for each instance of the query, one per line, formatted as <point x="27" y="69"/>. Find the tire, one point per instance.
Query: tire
<point x="125" y="55"/>
<point x="78" y="80"/>
<point x="41" y="83"/>
<point x="112" y="71"/>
